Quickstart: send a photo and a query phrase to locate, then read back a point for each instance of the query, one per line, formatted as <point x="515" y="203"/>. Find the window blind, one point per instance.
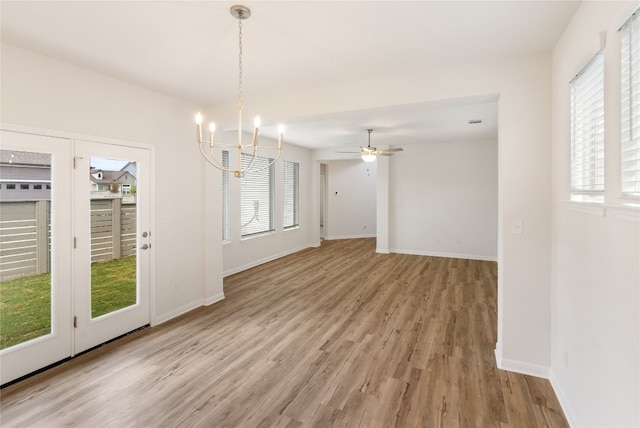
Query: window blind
<point x="225" y="196"/>
<point x="257" y="197"/>
<point x="587" y="129"/>
<point x="630" y="156"/>
<point x="291" y="193"/>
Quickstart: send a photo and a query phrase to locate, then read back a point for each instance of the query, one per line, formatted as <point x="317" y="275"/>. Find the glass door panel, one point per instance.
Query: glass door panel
<point x="35" y="289"/>
<point x="25" y="252"/>
<point x="113" y="235"/>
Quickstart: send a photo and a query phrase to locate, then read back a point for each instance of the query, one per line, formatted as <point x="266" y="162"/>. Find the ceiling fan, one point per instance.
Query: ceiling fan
<point x="369" y="153"/>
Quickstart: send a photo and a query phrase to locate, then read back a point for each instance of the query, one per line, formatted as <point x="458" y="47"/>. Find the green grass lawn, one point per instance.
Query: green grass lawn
<point x="25" y="303"/>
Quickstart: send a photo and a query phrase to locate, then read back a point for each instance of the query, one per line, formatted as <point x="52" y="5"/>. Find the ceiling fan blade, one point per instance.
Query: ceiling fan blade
<point x="396" y="149"/>
<point x="348" y="152"/>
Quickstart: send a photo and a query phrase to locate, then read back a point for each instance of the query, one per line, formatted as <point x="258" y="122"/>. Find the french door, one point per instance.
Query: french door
<point x="74" y="247"/>
<point x="112" y="241"/>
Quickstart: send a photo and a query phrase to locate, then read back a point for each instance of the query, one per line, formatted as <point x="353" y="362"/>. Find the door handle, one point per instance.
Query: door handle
<point x="145" y="247"/>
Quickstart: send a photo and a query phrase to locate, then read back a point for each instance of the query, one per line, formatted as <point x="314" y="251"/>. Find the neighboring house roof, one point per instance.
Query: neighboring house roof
<point x="108" y="177"/>
<point x="14" y="157"/>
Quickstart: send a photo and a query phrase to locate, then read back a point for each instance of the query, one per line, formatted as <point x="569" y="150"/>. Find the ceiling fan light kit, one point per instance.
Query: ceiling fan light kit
<point x="240" y="13"/>
<point x="369" y="154"/>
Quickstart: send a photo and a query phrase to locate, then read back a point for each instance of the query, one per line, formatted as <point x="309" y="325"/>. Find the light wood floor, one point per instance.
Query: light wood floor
<point x="330" y="336"/>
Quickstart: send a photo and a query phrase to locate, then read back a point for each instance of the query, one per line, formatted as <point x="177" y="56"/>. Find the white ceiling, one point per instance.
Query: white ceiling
<point x="189" y="50"/>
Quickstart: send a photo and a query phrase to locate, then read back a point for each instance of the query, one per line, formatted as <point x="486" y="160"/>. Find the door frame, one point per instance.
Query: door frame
<point x="90" y="332"/>
<point x="26" y="366"/>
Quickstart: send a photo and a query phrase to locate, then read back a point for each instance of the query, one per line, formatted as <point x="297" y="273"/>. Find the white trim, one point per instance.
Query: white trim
<point x="74" y="136"/>
<point x="449" y="255"/>
<point x="593" y="208"/>
<point x="264" y="260"/>
<point x="627" y="213"/>
<point x="330" y="238"/>
<point x="562" y="399"/>
<point x="213" y="299"/>
<point x="521" y="367"/>
<point x="175" y="313"/>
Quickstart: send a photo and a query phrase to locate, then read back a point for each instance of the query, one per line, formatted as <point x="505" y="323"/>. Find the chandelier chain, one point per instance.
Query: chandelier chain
<point x="210" y="148"/>
<point x="240" y="60"/>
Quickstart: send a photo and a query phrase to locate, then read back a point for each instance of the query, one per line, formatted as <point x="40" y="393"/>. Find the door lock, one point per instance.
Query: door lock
<point x="145" y="247"/>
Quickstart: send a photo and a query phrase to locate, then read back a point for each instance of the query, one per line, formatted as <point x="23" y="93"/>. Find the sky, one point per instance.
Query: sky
<point x="107" y="164"/>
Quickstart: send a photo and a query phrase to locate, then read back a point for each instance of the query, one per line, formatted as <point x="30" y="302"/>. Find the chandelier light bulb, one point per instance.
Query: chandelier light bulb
<point x="199" y="118"/>
<point x="257" y="122"/>
<point x="212" y="127"/>
<point x="281" y="129"/>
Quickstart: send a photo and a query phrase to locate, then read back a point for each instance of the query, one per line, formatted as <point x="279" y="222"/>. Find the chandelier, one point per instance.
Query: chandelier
<point x="249" y="150"/>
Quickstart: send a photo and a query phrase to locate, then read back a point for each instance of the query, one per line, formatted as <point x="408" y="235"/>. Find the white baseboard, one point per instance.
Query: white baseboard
<point x="159" y="319"/>
<point x="333" y="238"/>
<point x="213" y="299"/>
<point x="521" y="367"/>
<point x="450" y="255"/>
<point x="562" y="399"/>
<point x="264" y="260"/>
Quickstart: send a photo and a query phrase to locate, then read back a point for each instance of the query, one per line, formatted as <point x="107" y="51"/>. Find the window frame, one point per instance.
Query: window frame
<point x="291" y="195"/>
<point x="256" y="178"/>
<point x="630" y="108"/>
<point x="587" y="175"/>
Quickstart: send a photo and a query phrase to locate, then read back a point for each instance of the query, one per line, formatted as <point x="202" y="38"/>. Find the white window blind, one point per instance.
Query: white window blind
<point x="587" y="129"/>
<point x="257" y="197"/>
<point x="630" y="167"/>
<point x="225" y="196"/>
<point x="291" y="193"/>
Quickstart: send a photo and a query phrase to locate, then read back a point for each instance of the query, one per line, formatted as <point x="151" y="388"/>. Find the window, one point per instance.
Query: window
<point x="24" y="187"/>
<point x="587" y="131"/>
<point x="126" y="189"/>
<point x="256" y="197"/>
<point x="225" y="196"/>
<point x="291" y="185"/>
<point x="37" y="187"/>
<point x="11" y="187"/>
<point x="631" y="107"/>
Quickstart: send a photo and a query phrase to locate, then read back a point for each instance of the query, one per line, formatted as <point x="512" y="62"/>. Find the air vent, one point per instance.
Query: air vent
<point x="475" y="121"/>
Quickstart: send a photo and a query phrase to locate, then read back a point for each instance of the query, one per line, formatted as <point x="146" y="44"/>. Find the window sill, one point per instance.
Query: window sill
<point x="626" y="212"/>
<point x="592" y="208"/>
<point x="257" y="235"/>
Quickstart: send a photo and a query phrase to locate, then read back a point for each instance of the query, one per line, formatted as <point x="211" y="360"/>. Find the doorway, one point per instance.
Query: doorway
<point x="74" y="248"/>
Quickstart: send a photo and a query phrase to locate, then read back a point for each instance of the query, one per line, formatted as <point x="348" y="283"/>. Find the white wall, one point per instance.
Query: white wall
<point x="241" y="254"/>
<point x="351" y="199"/>
<point x="40" y="92"/>
<point x="444" y="200"/>
<point x="595" y="252"/>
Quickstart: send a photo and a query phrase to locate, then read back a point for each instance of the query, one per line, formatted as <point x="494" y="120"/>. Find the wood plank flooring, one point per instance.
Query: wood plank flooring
<point x="331" y="336"/>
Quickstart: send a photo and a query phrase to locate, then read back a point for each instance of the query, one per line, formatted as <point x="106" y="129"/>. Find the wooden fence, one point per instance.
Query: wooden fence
<point x="25" y="234"/>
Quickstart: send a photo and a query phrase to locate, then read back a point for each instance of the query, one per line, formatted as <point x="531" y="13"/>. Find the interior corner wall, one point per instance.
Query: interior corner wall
<point x="595" y="257"/>
<point x="42" y="93"/>
<point x="444" y="200"/>
<point x="351" y="199"/>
